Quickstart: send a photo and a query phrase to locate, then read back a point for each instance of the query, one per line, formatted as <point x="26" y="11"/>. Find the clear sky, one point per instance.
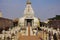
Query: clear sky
<point x="43" y="8"/>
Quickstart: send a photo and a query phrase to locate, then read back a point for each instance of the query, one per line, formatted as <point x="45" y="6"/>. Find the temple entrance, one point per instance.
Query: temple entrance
<point x="29" y="22"/>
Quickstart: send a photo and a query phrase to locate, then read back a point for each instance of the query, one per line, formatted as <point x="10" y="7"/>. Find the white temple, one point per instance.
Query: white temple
<point x="29" y="18"/>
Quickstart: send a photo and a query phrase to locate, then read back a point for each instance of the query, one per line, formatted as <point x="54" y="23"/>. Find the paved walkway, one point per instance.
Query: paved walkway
<point x="28" y="38"/>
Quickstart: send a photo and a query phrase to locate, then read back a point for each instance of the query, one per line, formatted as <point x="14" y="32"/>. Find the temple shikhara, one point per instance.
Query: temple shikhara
<point x="29" y="27"/>
<point x="29" y="20"/>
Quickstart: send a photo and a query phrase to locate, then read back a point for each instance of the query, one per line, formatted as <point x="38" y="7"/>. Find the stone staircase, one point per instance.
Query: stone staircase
<point x="28" y="38"/>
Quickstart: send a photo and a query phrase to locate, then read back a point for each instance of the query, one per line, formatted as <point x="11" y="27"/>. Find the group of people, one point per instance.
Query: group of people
<point x="55" y="36"/>
<point x="51" y="34"/>
<point x="11" y="34"/>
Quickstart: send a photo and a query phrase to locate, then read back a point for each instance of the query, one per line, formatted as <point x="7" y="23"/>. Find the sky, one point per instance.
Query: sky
<point x="43" y="9"/>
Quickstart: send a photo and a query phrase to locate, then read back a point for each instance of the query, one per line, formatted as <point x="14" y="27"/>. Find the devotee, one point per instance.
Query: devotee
<point x="55" y="37"/>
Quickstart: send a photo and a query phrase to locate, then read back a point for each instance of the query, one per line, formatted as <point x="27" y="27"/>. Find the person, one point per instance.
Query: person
<point x="41" y="39"/>
<point x="59" y="36"/>
<point x="8" y="38"/>
<point x="49" y="35"/>
<point x="55" y="37"/>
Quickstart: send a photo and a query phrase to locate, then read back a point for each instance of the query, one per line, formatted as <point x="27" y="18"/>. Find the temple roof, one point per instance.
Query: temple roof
<point x="29" y="12"/>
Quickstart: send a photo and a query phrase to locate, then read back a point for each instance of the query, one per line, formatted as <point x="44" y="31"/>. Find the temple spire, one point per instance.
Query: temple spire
<point x="28" y="10"/>
<point x="28" y="2"/>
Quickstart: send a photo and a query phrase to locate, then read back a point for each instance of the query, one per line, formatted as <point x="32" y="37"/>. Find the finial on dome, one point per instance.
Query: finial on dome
<point x="28" y="2"/>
